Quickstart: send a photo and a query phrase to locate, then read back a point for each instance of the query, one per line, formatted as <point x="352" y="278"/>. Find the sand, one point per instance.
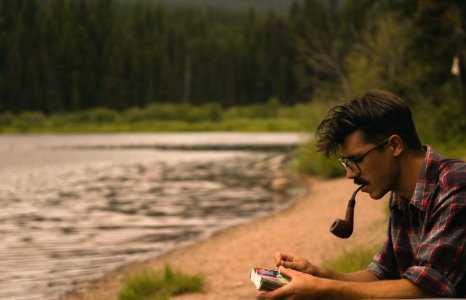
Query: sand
<point x="226" y="258"/>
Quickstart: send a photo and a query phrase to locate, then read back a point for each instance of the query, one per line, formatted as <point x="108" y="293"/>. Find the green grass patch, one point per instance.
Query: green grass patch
<point x="352" y="261"/>
<point x="152" y="285"/>
<point x="243" y="125"/>
<point x="157" y="117"/>
<point x="309" y="161"/>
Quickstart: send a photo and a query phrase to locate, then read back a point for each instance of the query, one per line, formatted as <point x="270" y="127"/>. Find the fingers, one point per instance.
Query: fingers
<point x="265" y="296"/>
<point x="279" y="293"/>
<point x="288" y="272"/>
<point x="282" y="258"/>
<point x="288" y="264"/>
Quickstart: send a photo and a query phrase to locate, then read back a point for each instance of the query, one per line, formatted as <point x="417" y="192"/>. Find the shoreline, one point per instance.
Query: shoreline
<point x="226" y="257"/>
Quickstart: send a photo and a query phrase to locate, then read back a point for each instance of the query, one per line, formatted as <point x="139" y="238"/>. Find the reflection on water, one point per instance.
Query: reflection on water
<point x="69" y="216"/>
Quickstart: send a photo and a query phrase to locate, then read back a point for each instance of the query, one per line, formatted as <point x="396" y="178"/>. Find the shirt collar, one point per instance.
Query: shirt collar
<point x="425" y="184"/>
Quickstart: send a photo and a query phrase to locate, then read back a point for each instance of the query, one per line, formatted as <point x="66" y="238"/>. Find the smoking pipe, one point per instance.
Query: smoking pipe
<point x="344" y="228"/>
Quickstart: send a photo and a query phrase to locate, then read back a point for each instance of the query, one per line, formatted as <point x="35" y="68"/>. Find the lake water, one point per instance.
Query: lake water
<point x="76" y="206"/>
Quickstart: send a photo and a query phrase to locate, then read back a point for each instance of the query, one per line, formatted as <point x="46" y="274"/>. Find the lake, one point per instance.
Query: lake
<point x="76" y="206"/>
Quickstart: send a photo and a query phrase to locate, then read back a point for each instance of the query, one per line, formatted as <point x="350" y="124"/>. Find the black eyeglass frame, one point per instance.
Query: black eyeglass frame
<point x="352" y="163"/>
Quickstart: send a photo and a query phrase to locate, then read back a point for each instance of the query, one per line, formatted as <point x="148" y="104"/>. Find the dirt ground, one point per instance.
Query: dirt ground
<point x="226" y="258"/>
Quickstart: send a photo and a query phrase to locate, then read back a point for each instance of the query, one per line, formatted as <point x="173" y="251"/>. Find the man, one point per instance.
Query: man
<point x="424" y="253"/>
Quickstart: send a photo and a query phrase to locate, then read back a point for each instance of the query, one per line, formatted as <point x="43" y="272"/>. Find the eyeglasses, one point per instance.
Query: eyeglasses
<point x="352" y="163"/>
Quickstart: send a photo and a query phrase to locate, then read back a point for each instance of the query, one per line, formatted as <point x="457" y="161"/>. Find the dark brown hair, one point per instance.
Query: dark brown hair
<point x="378" y="114"/>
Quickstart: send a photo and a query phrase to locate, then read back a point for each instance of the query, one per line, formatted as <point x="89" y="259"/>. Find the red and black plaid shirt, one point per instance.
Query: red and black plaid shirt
<point x="426" y="235"/>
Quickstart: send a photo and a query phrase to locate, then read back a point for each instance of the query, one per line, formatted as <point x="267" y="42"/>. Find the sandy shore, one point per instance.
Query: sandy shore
<point x="225" y="259"/>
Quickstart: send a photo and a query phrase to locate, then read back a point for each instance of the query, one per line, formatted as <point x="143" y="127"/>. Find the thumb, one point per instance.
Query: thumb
<point x="287" y="272"/>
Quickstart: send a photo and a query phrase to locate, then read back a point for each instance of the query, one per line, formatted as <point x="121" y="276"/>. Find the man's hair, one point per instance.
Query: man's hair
<point x="378" y="114"/>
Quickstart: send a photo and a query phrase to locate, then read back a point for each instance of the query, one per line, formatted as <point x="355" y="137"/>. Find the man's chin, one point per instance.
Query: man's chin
<point x="375" y="195"/>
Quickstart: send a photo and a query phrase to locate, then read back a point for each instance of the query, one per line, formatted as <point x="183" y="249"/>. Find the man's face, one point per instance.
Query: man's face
<point x="378" y="170"/>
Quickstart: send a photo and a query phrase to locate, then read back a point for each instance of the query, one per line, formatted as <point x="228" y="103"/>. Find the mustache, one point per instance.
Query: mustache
<point x="360" y="181"/>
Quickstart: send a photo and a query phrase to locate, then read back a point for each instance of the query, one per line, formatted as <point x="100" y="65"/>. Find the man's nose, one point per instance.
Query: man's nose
<point x="350" y="174"/>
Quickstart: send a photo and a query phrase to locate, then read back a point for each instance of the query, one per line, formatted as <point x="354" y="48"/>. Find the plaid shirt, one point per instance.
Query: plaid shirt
<point x="426" y="235"/>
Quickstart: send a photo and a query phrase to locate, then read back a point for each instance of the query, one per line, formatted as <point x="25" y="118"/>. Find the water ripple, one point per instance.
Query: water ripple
<point x="61" y="228"/>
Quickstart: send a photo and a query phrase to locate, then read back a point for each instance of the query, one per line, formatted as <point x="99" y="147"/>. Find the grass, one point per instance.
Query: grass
<point x="352" y="261"/>
<point x="244" y="125"/>
<point x="151" y="285"/>
<point x="269" y="117"/>
<point x="309" y="161"/>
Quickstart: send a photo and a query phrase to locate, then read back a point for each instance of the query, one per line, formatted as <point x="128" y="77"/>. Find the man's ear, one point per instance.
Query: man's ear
<point x="396" y="145"/>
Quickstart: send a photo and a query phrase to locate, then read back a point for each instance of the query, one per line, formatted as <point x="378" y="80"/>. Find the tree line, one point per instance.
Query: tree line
<point x="62" y="55"/>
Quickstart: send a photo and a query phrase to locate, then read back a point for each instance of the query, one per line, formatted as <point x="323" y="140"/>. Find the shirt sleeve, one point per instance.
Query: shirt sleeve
<point x="440" y="261"/>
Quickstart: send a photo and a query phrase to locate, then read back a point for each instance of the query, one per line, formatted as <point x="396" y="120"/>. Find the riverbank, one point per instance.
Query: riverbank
<point x="268" y="117"/>
<point x="226" y="258"/>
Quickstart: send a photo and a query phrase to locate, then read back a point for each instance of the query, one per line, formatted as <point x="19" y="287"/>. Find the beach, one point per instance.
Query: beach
<point x="226" y="258"/>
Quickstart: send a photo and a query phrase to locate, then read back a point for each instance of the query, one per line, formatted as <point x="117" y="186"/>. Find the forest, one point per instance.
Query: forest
<point x="62" y="56"/>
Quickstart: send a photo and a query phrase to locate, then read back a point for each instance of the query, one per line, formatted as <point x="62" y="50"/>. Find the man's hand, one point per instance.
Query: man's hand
<point x="305" y="286"/>
<point x="294" y="262"/>
<point x="301" y="287"/>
